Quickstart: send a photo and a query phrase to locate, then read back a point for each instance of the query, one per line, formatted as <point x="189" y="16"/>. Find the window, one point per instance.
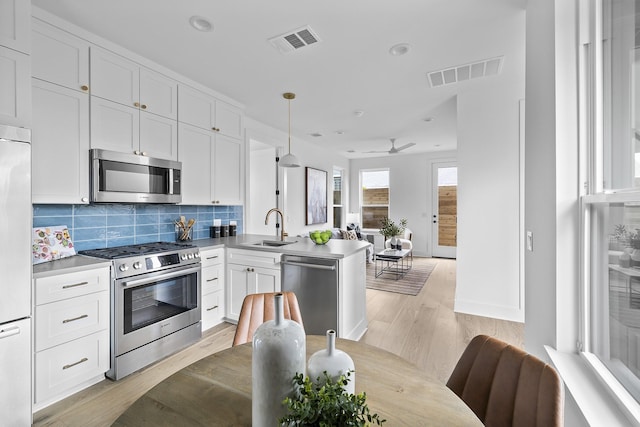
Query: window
<point x="374" y="197"/>
<point x="611" y="214"/>
<point x="337" y="198"/>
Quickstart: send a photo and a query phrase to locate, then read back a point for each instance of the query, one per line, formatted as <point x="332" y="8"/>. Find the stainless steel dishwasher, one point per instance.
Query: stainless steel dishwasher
<point x="315" y="283"/>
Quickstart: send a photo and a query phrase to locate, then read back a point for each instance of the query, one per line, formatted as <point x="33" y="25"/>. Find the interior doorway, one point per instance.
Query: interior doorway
<point x="445" y="210"/>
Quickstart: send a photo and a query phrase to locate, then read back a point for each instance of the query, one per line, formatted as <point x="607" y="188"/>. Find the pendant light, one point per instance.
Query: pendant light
<point x="289" y="160"/>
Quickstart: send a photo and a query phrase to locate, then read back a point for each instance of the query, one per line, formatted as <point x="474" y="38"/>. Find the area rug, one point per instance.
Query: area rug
<point x="410" y="284"/>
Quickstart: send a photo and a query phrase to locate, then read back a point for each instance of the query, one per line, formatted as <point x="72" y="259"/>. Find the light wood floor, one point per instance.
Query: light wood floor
<point x="422" y="329"/>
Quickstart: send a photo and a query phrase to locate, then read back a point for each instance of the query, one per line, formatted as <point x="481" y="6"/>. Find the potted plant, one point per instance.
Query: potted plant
<point x="391" y="230"/>
<point x="326" y="403"/>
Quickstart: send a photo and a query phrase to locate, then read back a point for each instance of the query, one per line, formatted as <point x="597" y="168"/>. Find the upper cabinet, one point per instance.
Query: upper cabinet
<point x="117" y="79"/>
<point x="14" y="24"/>
<point x="206" y="112"/>
<point x="59" y="57"/>
<point x="15" y="70"/>
<point x="15" y="88"/>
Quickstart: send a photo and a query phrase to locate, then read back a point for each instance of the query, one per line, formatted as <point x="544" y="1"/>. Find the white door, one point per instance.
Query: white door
<point x="444" y="217"/>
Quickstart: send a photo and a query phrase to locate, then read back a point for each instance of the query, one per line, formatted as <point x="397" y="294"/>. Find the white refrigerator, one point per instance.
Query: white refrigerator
<point x="15" y="276"/>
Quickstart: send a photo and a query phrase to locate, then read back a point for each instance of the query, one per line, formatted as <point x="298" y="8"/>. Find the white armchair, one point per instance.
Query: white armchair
<point x="405" y="240"/>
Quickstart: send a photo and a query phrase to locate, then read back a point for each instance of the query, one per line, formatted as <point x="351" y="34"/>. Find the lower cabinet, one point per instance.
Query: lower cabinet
<point x="249" y="272"/>
<point x="71" y="333"/>
<point x="212" y="301"/>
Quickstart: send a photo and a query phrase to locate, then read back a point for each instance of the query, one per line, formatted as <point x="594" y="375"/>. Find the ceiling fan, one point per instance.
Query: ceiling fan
<point x="393" y="149"/>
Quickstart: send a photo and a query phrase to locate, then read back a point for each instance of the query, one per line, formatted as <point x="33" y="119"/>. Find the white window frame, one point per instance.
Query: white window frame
<point x="361" y="201"/>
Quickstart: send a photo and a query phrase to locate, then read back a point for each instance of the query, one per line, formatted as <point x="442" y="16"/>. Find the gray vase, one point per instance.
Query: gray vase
<point x="279" y="353"/>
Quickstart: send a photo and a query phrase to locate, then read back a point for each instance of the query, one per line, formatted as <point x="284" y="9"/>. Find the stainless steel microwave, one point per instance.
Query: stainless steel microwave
<point x="128" y="178"/>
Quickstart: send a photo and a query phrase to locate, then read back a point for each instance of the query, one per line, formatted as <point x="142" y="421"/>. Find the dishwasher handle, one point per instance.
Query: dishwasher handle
<point x="306" y="265"/>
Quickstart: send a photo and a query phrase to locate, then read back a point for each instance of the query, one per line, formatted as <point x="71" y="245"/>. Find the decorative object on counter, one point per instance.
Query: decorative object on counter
<point x="214" y="232"/>
<point x="625" y="258"/>
<point x="320" y="237"/>
<point x="51" y="243"/>
<point x="327" y="403"/>
<point x="390" y="230"/>
<point x="183" y="230"/>
<point x="332" y="362"/>
<point x="232" y="228"/>
<point x="316" y="200"/>
<point x="224" y="231"/>
<point x="279" y="353"/>
<point x="289" y="160"/>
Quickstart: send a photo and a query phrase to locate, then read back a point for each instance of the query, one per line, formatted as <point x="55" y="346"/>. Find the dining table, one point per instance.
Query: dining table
<point x="216" y="391"/>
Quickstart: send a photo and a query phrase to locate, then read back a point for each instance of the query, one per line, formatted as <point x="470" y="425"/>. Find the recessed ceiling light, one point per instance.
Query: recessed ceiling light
<point x="428" y="119"/>
<point x="200" y="23"/>
<point x="358" y="113"/>
<point x="339" y="132"/>
<point x="351" y="151"/>
<point x="399" y="49"/>
<point x="316" y="134"/>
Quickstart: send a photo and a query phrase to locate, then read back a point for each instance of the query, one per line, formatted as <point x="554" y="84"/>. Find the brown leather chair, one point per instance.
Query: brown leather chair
<point x="505" y="386"/>
<point x="258" y="308"/>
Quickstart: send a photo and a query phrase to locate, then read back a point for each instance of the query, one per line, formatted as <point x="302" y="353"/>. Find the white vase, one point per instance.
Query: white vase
<point x="625" y="258"/>
<point x="335" y="362"/>
<point x="279" y="353"/>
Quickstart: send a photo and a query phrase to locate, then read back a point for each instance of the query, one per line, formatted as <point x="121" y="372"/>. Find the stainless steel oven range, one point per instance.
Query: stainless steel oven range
<point x="155" y="302"/>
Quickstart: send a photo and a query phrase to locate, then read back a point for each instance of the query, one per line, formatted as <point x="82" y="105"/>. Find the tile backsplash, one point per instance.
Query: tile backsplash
<point x="107" y="225"/>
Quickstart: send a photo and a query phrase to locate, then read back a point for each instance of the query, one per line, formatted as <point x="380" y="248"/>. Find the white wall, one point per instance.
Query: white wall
<point x="410" y="181"/>
<point x="489" y="241"/>
<point x="293" y="179"/>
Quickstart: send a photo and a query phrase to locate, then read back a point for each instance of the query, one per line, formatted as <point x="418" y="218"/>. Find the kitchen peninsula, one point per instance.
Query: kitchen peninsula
<point x="253" y="264"/>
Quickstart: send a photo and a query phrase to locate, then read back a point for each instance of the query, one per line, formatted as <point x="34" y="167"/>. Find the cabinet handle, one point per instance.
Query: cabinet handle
<point x="84" y="359"/>
<point x="250" y="269"/>
<point x="143" y="106"/>
<point x="84" y="88"/>
<point x="75" y="318"/>
<point x="75" y="285"/>
<point x="144" y="153"/>
<point x="84" y="199"/>
<point x="212" y="257"/>
<point x="211" y="280"/>
<point x="136" y="104"/>
<point x="212" y="308"/>
<point x="136" y="152"/>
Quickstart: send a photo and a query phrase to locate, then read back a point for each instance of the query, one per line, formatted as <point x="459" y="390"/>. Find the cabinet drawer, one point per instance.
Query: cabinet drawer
<point x="212" y="279"/>
<point x="254" y="258"/>
<point x="212" y="309"/>
<point x="63" y="321"/>
<point x="66" y="366"/>
<point x="63" y="286"/>
<point x="212" y="257"/>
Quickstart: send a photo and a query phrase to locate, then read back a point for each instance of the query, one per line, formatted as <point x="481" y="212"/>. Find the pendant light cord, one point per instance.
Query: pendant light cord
<point x="289" y="126"/>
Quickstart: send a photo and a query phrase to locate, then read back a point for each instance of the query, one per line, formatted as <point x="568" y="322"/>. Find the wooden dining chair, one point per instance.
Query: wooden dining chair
<point x="505" y="386"/>
<point x="258" y="308"/>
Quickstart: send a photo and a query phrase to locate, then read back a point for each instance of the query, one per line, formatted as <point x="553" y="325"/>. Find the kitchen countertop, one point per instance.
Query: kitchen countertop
<point x="68" y="265"/>
<point x="303" y="246"/>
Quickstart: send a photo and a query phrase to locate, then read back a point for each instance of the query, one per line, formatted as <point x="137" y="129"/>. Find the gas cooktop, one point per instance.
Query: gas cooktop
<point x="135" y="250"/>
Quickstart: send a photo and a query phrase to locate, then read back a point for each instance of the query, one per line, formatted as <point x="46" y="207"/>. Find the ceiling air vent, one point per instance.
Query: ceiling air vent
<point x="474" y="70"/>
<point x="294" y="40"/>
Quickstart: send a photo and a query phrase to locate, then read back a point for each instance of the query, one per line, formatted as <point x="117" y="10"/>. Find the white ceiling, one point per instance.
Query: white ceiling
<point x="350" y="69"/>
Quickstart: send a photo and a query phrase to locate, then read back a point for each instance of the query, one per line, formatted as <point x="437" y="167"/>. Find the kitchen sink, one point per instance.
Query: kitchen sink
<point x="271" y="243"/>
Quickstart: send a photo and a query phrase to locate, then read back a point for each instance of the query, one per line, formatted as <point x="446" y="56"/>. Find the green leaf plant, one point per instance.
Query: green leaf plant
<point x="326" y="403"/>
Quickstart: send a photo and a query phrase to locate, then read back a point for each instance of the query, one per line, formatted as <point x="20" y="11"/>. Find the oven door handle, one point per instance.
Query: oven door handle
<point x="172" y="274"/>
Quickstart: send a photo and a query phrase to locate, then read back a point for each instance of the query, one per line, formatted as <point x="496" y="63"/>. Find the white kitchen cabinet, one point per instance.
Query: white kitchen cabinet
<point x="212" y="287"/>
<point x="212" y="167"/>
<point x="15" y="16"/>
<point x="15" y="87"/>
<point x="249" y="272"/>
<point x="59" y="57"/>
<point x="206" y="112"/>
<point x="125" y="129"/>
<point x="118" y="79"/>
<point x="60" y="144"/>
<point x="71" y="344"/>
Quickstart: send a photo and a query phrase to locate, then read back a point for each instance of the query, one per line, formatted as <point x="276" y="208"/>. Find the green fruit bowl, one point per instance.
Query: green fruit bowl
<point x="320" y="237"/>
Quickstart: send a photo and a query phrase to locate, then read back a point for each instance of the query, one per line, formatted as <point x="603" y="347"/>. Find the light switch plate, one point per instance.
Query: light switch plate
<point x="530" y="240"/>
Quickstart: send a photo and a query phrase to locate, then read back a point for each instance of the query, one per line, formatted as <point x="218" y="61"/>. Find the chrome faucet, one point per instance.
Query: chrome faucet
<point x="266" y="221"/>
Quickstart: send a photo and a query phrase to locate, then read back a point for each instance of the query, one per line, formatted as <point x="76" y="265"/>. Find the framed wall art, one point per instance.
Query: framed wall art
<point x="316" y="187"/>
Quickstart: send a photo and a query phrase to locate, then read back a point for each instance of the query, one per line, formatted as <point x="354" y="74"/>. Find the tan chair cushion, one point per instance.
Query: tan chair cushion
<point x="505" y="386"/>
<point x="258" y="308"/>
